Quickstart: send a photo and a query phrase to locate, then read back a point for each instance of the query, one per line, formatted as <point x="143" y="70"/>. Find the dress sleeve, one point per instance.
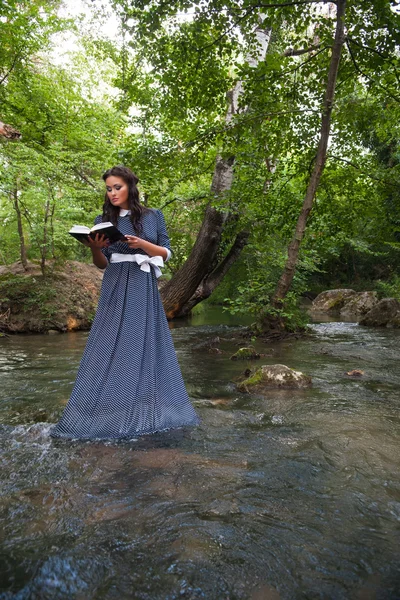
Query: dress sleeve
<point x="162" y="235"/>
<point x="105" y="251"/>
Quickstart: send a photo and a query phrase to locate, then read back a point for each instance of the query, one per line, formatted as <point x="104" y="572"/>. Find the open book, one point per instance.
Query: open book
<point x="81" y="233"/>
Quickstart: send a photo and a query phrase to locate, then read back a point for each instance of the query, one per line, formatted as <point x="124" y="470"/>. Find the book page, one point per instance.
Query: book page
<point x="79" y="229"/>
<point x="102" y="226"/>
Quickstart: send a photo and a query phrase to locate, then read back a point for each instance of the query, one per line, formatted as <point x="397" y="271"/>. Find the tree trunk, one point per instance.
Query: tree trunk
<point x="201" y="273"/>
<point x="53" y="248"/>
<point x="286" y="279"/>
<point x="43" y="245"/>
<point x="211" y="281"/>
<point x="22" y="246"/>
<point x="184" y="283"/>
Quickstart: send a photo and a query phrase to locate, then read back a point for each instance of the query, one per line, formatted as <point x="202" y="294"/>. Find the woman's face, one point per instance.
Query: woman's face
<point x="117" y="191"/>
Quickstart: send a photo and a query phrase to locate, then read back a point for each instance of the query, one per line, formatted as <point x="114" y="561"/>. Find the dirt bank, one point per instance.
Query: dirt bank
<point x="64" y="300"/>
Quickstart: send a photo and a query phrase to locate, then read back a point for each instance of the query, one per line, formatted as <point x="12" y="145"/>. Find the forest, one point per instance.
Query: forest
<point x="248" y="448"/>
<point x="266" y="132"/>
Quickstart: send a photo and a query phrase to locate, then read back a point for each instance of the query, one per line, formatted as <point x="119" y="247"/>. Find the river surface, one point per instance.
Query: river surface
<point x="291" y="495"/>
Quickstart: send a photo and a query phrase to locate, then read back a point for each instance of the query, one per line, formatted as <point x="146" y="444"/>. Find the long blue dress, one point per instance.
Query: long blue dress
<point x="129" y="382"/>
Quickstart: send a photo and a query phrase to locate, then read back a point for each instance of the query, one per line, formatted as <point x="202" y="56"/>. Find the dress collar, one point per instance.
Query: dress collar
<point x="123" y="212"/>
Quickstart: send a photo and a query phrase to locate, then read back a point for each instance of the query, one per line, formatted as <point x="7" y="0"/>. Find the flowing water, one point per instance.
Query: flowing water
<point x="295" y="494"/>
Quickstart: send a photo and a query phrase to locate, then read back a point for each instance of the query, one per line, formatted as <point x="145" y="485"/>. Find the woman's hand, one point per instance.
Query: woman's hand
<point x="134" y="242"/>
<point x="150" y="249"/>
<point x="99" y="241"/>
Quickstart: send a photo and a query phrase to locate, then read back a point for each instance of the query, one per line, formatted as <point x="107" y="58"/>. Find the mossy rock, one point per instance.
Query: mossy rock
<point x="359" y="304"/>
<point x="248" y="353"/>
<point x="384" y="314"/>
<point x="332" y="301"/>
<point x="274" y="376"/>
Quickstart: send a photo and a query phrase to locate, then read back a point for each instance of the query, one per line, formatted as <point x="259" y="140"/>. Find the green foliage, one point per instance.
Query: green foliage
<point x="389" y="289"/>
<point x="257" y="283"/>
<point x="35" y="294"/>
<point x="167" y="75"/>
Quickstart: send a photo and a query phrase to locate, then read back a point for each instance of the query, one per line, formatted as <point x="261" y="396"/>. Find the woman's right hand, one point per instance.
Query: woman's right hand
<point x="99" y="241"/>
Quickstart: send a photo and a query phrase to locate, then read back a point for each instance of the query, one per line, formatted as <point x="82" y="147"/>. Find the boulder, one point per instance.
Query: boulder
<point x="248" y="353"/>
<point x="274" y="376"/>
<point x="386" y="313"/>
<point x="359" y="304"/>
<point x="332" y="301"/>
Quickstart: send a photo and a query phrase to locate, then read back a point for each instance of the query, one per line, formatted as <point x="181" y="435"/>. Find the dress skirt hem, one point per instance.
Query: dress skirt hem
<point x="66" y="436"/>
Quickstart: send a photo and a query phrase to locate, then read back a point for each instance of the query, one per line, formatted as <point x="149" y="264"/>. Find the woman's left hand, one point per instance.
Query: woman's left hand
<point x="133" y="241"/>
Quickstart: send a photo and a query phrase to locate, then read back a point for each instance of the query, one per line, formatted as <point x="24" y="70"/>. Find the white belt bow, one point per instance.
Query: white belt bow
<point x="143" y="260"/>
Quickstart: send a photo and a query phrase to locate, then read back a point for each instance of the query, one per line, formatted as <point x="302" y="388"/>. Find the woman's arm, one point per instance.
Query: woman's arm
<point x="162" y="248"/>
<point x="148" y="247"/>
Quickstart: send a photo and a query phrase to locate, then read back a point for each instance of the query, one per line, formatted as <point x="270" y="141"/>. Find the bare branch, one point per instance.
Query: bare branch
<point x="375" y="51"/>
<point x="381" y="54"/>
<point x="177" y="199"/>
<point x="14" y="62"/>
<point x="85" y="179"/>
<point x="293" y="52"/>
<point x="366" y="173"/>
<point x="309" y="59"/>
<point x="371" y="79"/>
<point x="295" y="3"/>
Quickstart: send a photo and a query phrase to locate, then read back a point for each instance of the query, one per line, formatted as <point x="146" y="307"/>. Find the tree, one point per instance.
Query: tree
<point x="286" y="278"/>
<point x="50" y="178"/>
<point x="203" y="271"/>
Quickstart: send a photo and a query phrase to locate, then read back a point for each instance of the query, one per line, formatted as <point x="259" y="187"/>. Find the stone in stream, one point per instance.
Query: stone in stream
<point x="386" y="313"/>
<point x="332" y="301"/>
<point x="345" y="302"/>
<point x="359" y="304"/>
<point x="274" y="376"/>
<point x="248" y="353"/>
<point x="210" y="345"/>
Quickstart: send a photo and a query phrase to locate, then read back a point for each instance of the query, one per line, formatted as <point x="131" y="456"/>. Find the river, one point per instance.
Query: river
<point x="295" y="494"/>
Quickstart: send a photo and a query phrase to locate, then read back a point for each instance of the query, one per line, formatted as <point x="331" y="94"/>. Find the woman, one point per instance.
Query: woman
<point x="129" y="382"/>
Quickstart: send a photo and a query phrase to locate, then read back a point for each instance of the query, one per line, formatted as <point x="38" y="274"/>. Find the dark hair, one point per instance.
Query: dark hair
<point x="110" y="212"/>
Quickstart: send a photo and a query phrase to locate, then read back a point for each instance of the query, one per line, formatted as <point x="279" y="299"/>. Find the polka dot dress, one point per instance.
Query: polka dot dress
<point x="129" y="382"/>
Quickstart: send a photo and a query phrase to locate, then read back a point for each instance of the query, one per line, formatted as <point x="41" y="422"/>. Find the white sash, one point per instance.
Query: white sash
<point x="143" y="260"/>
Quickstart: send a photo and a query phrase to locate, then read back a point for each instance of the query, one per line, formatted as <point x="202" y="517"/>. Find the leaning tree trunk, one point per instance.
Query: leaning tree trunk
<point x="177" y="293"/>
<point x="286" y="279"/>
<point x="202" y="272"/>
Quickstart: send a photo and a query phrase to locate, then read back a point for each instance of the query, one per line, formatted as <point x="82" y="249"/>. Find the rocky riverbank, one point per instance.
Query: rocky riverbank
<point x="64" y="300"/>
<point x="365" y="307"/>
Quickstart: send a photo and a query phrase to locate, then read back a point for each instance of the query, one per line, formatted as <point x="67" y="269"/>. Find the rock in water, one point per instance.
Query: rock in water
<point x="332" y="301"/>
<point x="274" y="376"/>
<point x="248" y="353"/>
<point x="359" y="304"/>
<point x="384" y="314"/>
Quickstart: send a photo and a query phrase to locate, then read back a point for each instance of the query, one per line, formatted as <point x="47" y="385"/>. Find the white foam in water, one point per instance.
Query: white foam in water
<point x="277" y="419"/>
<point x="33" y="432"/>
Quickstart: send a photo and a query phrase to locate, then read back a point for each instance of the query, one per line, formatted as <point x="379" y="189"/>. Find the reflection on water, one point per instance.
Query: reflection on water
<point x="291" y="495"/>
